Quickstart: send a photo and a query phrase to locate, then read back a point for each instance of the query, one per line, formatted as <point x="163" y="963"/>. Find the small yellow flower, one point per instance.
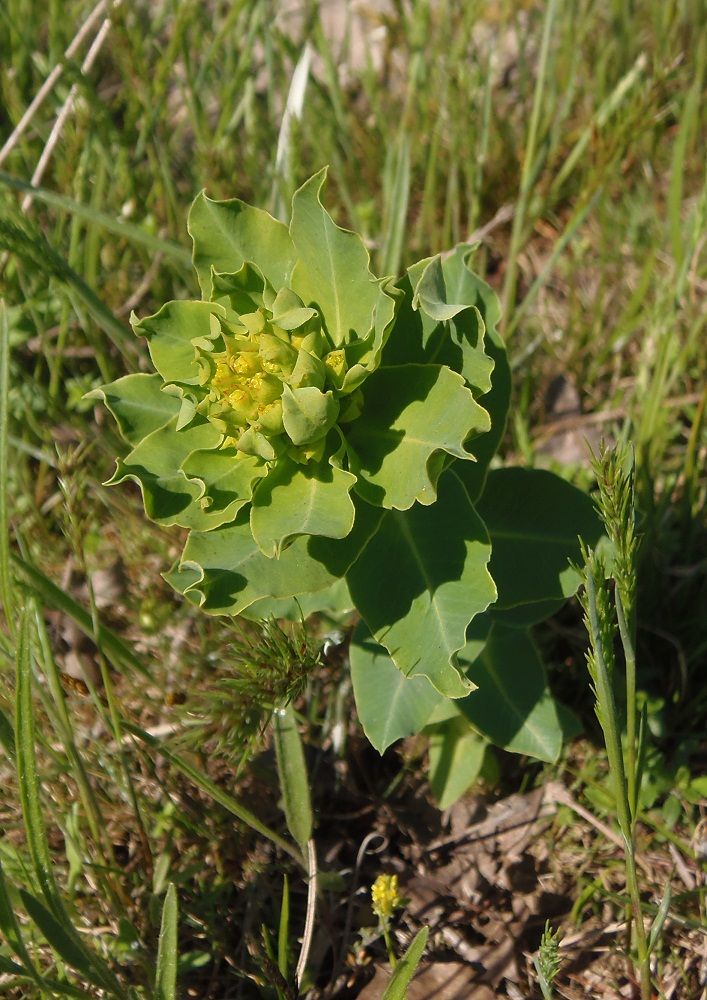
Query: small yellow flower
<point x="385" y="896"/>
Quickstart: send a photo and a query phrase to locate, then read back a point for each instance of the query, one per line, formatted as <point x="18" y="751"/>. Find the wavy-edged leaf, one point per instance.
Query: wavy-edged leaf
<point x="365" y="356"/>
<point x="390" y="706"/>
<point x="513" y="707"/>
<point x="445" y="291"/>
<point x="334" y="601"/>
<point x="332" y="268"/>
<point x="228" y="478"/>
<point x="155" y="464"/>
<point x="534" y="519"/>
<point x="224" y="571"/>
<point x="138" y="404"/>
<point x="295" y="499"/>
<point x="308" y="414"/>
<point x="411" y="414"/>
<point x="456" y="756"/>
<point x="421" y="579"/>
<point x="225" y="234"/>
<point x="170" y="335"/>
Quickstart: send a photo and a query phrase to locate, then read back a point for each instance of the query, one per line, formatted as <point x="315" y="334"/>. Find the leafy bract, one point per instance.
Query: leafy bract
<point x="332" y="267"/>
<point x="138" y="404"/>
<point x="421" y="579"/>
<point x="411" y="413"/>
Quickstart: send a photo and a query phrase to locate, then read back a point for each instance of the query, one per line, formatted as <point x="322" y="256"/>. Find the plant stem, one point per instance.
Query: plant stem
<point x="630" y="661"/>
<point x="608" y="717"/>
<point x="388" y="944"/>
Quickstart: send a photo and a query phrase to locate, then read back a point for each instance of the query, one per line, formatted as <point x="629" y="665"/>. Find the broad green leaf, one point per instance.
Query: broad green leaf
<point x="241" y="290"/>
<point x="365" y="356"/>
<point x="419" y="582"/>
<point x="445" y="291"/>
<point x="138" y="405"/>
<point x="308" y="414"/>
<point x="155" y="464"/>
<point x="225" y="572"/>
<point x="406" y="967"/>
<point x="228" y="233"/>
<point x="456" y="755"/>
<point x="411" y="415"/>
<point x="227" y="477"/>
<point x="512" y="707"/>
<point x="332" y="269"/>
<point x="390" y="706"/>
<point x="334" y="601"/>
<point x="170" y="335"/>
<point x="298" y="499"/>
<point x="167" y="957"/>
<point x="534" y="518"/>
<point x="292" y="772"/>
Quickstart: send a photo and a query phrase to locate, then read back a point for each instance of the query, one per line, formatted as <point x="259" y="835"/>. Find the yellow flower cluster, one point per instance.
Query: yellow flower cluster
<point x="385" y="896"/>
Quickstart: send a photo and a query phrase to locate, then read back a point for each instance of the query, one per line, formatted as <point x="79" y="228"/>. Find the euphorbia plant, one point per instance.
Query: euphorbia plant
<point x="326" y="436"/>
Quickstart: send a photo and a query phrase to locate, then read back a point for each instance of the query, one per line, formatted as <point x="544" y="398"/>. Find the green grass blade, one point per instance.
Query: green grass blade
<point x="216" y="793"/>
<point x="118" y="652"/>
<point x="659" y="920"/>
<point x="6" y="596"/>
<point x="406" y="967"/>
<point x="166" y="975"/>
<point x="396" y="193"/>
<point x="126" y="230"/>
<point x="11" y="932"/>
<point x="35" y="830"/>
<point x="283" y="933"/>
<point x="292" y="771"/>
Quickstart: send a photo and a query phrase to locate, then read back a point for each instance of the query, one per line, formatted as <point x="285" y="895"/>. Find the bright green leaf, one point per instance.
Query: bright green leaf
<point x="419" y="582"/>
<point x="155" y="464"/>
<point x="298" y="499"/>
<point x="228" y="478"/>
<point x="228" y="233"/>
<point x="411" y="414"/>
<point x="308" y="414"/>
<point x="167" y="956"/>
<point x="390" y="706"/>
<point x="332" y="269"/>
<point x="170" y="334"/>
<point x="138" y="405"/>
<point x="406" y="967"/>
<point x="292" y="772"/>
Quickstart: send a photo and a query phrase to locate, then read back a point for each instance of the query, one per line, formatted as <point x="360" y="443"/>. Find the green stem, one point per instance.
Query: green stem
<point x="608" y="717"/>
<point x="388" y="944"/>
<point x="630" y="660"/>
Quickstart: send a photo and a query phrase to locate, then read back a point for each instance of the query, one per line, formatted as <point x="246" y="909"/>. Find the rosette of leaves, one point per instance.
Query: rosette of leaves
<point x="326" y="436"/>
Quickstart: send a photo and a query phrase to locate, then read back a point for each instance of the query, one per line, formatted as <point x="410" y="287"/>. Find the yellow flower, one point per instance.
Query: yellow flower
<point x="385" y="896"/>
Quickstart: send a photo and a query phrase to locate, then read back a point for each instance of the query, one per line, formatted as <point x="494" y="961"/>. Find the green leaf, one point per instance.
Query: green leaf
<point x="411" y="414"/>
<point x="512" y="706"/>
<point x="406" y="967"/>
<point x="167" y="957"/>
<point x="419" y="582"/>
<point x="170" y="334"/>
<point x="63" y="943"/>
<point x="390" y="706"/>
<point x="456" y="756"/>
<point x="333" y="601"/>
<point x="445" y="292"/>
<point x="138" y="405"/>
<point x="227" y="478"/>
<point x="308" y="414"/>
<point x="534" y="518"/>
<point x="155" y="465"/>
<point x="11" y="931"/>
<point x="228" y="233"/>
<point x="496" y="403"/>
<point x="298" y="499"/>
<point x="292" y="772"/>
<point x="225" y="572"/>
<point x="332" y="267"/>
<point x="365" y="356"/>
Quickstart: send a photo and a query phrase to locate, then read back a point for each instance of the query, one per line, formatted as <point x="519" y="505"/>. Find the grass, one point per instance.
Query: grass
<point x="565" y="138"/>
